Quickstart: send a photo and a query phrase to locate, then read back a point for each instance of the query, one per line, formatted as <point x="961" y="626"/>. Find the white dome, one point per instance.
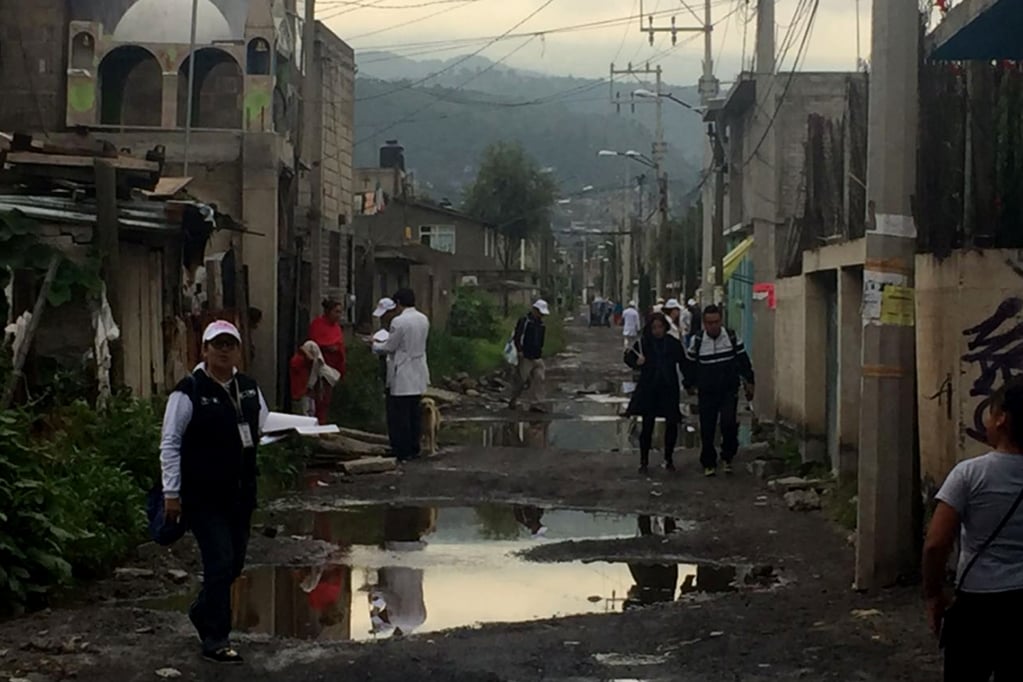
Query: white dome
<point x="170" y="21"/>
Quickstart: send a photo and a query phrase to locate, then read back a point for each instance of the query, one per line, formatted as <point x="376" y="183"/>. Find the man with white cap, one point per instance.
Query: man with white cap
<point x="631" y="325"/>
<point x="529" y="339"/>
<point x="211" y="431"/>
<point x="408" y="375"/>
<point x="386" y="311"/>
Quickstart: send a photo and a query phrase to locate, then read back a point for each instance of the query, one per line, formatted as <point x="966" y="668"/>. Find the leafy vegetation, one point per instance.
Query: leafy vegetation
<point x="473" y="315"/>
<point x="513" y="193"/>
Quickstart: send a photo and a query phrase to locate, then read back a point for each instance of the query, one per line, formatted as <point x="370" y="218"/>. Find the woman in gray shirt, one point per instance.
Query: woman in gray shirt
<point x="980" y="504"/>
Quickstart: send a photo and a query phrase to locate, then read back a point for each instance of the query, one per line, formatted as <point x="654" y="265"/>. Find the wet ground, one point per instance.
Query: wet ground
<point x="529" y="549"/>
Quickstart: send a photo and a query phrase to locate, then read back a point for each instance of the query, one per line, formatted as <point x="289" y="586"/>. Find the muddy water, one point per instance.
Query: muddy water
<point x="401" y="571"/>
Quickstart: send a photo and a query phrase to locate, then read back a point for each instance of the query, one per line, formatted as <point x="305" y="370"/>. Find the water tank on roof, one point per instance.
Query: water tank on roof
<point x="392" y="155"/>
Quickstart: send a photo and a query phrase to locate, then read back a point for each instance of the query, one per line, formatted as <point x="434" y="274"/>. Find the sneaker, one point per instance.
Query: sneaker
<point x="669" y="466"/>
<point x="710" y="472"/>
<point x="728" y="468"/>
<point x="643" y="470"/>
<point x="223" y="655"/>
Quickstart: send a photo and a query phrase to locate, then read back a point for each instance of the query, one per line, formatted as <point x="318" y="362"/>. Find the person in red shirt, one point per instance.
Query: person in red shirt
<point x="326" y="331"/>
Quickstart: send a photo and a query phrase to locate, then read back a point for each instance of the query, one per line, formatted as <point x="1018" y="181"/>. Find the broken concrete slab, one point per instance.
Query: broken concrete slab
<point x="365" y="436"/>
<point x="798" y="483"/>
<point x="128" y="573"/>
<point x="764" y="469"/>
<point x="177" y="575"/>
<point x="442" y="396"/>
<point x="803" y="500"/>
<point x="369" y="465"/>
<point x="345" y="447"/>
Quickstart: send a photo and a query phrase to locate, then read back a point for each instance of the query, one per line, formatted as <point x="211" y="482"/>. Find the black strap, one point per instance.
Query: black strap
<point x="987" y="543"/>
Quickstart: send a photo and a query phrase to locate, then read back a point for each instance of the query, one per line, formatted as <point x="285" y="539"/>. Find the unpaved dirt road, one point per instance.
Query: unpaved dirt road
<point x="803" y="623"/>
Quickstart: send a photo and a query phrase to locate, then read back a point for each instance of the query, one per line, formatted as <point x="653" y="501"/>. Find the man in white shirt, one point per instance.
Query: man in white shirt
<point x="631" y="325"/>
<point x="408" y="375"/>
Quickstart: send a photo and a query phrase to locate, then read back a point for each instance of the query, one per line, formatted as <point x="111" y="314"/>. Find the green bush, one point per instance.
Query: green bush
<point x="358" y="401"/>
<point x="474" y="315"/>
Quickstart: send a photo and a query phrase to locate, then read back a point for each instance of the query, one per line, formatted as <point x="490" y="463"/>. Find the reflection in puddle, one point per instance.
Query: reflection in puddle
<point x="402" y="571"/>
<point x="593" y="434"/>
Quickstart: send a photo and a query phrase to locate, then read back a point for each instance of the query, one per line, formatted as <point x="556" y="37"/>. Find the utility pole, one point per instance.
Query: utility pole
<point x="191" y="84"/>
<point x="886" y="546"/>
<point x="649" y="253"/>
<point x="718" y="244"/>
<point x="710" y="87"/>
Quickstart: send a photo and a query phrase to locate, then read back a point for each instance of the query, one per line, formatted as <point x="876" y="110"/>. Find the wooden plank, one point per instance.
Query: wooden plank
<point x="109" y="243"/>
<point x="33" y="324"/>
<point x="167" y="188"/>
<point x="131" y="333"/>
<point x="156" y="320"/>
<point x="121" y="162"/>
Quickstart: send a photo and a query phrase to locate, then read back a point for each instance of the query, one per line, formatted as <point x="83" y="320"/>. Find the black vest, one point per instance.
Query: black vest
<point x="216" y="471"/>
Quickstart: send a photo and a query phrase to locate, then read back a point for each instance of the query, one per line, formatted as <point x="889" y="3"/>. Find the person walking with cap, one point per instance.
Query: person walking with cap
<point x="631" y="325"/>
<point x="673" y="311"/>
<point x="532" y="373"/>
<point x="408" y="374"/>
<point x="208" y="445"/>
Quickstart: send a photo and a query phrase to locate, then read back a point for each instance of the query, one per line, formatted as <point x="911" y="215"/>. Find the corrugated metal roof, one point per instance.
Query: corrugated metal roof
<point x="138" y="215"/>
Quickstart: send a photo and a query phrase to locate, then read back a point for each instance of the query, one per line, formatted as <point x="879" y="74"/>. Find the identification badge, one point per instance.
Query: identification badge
<point x="246" y="434"/>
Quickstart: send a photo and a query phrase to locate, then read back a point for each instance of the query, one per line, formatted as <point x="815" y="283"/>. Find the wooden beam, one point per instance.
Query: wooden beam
<point x="37" y="314"/>
<point x="109" y="243"/>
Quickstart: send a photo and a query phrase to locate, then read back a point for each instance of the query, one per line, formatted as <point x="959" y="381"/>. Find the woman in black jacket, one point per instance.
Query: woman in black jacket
<point x="658" y="357"/>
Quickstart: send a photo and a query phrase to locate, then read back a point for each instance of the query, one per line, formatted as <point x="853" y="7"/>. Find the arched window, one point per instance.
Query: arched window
<point x="83" y="51"/>
<point x="131" y="88"/>
<point x="258" y="59"/>
<point x="217" y="92"/>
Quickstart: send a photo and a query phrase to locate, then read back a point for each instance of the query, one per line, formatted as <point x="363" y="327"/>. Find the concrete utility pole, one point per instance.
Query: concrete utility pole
<point x="191" y="83"/>
<point x="649" y="250"/>
<point x="886" y="543"/>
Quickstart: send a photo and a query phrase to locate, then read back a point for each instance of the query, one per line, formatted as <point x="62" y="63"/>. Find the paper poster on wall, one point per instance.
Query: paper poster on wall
<point x="896" y="225"/>
<point x="898" y="306"/>
<point x="874" y="284"/>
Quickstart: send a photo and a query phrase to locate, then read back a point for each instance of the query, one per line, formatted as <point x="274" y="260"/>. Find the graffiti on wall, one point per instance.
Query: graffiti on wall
<point x="996" y="348"/>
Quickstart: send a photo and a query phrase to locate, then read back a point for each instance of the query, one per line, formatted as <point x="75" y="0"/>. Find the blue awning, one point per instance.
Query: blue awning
<point x="979" y="30"/>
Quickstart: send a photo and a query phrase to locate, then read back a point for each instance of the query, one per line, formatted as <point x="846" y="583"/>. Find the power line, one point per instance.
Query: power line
<point x="358" y="4"/>
<point x="464" y="59"/>
<point x="408" y="117"/>
<point x="409" y="22"/>
<point x="788" y="83"/>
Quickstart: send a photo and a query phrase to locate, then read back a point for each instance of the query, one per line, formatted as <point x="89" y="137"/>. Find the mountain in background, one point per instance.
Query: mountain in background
<point x="562" y="121"/>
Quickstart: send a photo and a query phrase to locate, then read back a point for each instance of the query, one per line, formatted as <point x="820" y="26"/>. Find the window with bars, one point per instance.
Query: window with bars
<point x="438" y="237"/>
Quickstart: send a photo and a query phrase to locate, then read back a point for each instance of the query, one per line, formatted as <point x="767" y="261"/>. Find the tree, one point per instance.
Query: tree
<point x="512" y="193"/>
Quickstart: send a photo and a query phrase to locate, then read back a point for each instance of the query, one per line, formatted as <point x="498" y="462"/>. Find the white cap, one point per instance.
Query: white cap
<point x="632" y="303"/>
<point x="691" y="301"/>
<point x="220" y="328"/>
<point x="672" y="304"/>
<point x="384" y="306"/>
<point x="542" y="306"/>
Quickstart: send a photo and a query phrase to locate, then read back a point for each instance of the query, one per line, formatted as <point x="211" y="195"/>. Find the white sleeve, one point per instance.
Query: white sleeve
<point x="264" y="411"/>
<point x="175" y="420"/>
<point x="393" y="342"/>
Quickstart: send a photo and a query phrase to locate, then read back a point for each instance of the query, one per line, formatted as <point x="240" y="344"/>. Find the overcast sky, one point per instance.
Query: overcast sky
<point x="832" y="45"/>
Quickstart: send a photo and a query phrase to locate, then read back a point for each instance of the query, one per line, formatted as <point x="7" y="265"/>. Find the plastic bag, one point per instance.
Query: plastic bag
<point x="511" y="353"/>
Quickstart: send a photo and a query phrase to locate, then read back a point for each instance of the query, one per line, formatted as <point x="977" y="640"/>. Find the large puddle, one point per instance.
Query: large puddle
<point x="401" y="571"/>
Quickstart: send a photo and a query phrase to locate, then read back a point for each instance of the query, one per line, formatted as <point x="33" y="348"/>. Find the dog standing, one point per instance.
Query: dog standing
<point x="431" y="425"/>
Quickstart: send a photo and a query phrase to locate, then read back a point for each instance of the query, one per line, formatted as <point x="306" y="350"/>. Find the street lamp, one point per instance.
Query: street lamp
<point x="630" y="154"/>
<point x="650" y="94"/>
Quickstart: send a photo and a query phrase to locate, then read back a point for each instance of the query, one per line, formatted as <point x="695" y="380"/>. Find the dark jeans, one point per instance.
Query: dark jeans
<point x="404" y="425"/>
<point x="715" y="406"/>
<point x="223" y="537"/>
<point x="980" y="638"/>
<point x="646" y="439"/>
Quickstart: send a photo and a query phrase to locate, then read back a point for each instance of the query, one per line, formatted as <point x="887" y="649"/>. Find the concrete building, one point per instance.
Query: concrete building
<point x="791" y="183"/>
<point x="119" y="70"/>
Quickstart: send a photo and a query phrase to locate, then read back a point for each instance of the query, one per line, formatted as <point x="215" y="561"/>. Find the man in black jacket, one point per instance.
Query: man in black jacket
<point x="528" y="340"/>
<point x="208" y="447"/>
<point x="716" y="363"/>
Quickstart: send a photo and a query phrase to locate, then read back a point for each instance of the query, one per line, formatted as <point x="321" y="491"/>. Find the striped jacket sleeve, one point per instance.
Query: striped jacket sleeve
<point x="745" y="366"/>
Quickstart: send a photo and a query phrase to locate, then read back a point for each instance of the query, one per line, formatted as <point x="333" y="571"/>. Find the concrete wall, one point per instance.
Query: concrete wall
<point x="788" y="362"/>
<point x="33" y="64"/>
<point x="969" y="339"/>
